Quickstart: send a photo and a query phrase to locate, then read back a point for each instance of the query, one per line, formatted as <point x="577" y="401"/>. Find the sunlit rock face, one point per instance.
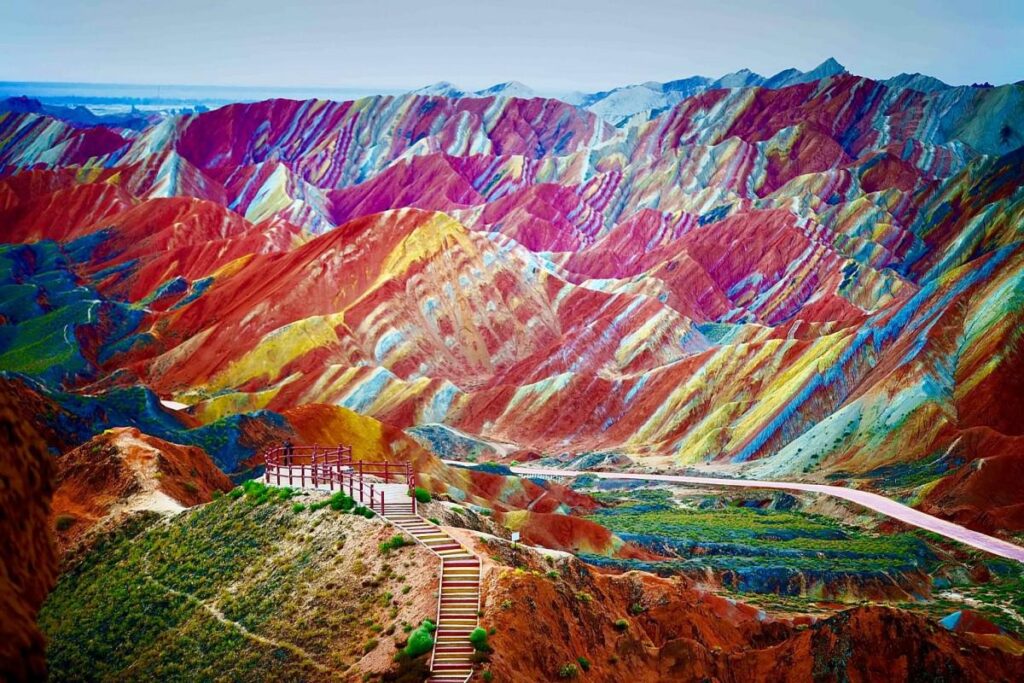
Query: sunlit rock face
<point x="806" y="275"/>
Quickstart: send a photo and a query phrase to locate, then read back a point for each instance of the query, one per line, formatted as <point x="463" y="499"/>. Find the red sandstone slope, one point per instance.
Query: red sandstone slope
<point x="669" y="631"/>
<point x="123" y="471"/>
<point x="27" y="562"/>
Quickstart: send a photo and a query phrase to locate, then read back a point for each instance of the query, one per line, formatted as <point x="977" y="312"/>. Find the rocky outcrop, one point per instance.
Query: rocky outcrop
<point x="121" y="472"/>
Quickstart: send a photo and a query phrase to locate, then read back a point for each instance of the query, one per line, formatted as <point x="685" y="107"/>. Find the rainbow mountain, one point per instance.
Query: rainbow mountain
<point x="816" y="276"/>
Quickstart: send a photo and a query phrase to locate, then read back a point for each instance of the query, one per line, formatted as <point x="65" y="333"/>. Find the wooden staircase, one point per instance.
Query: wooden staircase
<point x="371" y="484"/>
<point x="458" y="602"/>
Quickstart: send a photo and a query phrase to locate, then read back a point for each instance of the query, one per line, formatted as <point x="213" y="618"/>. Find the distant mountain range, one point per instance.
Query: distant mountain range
<point x="131" y="104"/>
<point x="619" y="104"/>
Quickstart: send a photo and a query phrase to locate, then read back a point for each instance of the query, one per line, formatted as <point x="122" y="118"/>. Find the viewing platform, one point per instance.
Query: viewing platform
<point x="385" y="487"/>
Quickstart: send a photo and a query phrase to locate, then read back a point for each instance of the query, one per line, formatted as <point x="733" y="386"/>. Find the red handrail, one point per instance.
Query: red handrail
<point x="330" y="465"/>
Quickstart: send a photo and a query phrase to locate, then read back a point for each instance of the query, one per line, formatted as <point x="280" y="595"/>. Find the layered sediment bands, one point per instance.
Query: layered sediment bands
<point x="28" y="565"/>
<point x="812" y="275"/>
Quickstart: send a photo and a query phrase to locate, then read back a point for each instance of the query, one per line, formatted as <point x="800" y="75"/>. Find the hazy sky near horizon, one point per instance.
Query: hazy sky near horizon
<point x="551" y="45"/>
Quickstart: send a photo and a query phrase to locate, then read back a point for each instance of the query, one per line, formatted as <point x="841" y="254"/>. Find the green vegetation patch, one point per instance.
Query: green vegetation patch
<point x="478" y="639"/>
<point x="775" y="542"/>
<point x="242" y="588"/>
<point x="421" y="640"/>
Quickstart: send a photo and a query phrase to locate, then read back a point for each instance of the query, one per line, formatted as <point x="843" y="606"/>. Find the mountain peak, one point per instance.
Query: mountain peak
<point x="508" y="89"/>
<point x="444" y="88"/>
<point x="830" y="67"/>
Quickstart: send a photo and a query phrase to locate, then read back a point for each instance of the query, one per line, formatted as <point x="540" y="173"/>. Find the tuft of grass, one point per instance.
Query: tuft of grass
<point x="621" y="625"/>
<point x="568" y="671"/>
<point x="65" y="522"/>
<point x="394" y="543"/>
<point x="584" y="663"/>
<point x="422" y="495"/>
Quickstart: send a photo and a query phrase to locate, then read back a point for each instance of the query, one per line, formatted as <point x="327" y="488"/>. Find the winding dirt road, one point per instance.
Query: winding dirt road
<point x="872" y="501"/>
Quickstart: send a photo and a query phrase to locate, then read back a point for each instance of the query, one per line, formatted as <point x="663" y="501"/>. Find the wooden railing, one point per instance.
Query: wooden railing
<point x="333" y="467"/>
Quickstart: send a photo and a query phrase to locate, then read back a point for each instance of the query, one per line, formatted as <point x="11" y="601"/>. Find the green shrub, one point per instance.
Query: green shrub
<point x="370" y="645"/>
<point x="568" y="671"/>
<point x="191" y="487"/>
<point x="341" y="501"/>
<point x="422" y="495"/>
<point x="236" y="493"/>
<point x="421" y="640"/>
<point x="584" y="663"/>
<point x="622" y="625"/>
<point x="65" y="522"/>
<point x="434" y="520"/>
<point x="395" y="542"/>
<point x="478" y="639"/>
<point x="637" y="608"/>
<point x="488" y="676"/>
<point x="364" y="512"/>
<point x="298" y="507"/>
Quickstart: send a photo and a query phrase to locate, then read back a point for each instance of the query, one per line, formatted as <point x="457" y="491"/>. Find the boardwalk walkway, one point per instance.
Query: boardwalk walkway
<point x="372" y="485"/>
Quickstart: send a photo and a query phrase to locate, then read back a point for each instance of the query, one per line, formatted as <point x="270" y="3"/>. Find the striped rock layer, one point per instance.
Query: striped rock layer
<point x="822" y="278"/>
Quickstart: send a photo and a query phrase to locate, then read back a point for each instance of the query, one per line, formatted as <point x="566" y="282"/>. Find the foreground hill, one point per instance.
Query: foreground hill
<point x="243" y="588"/>
<point x="261" y="585"/>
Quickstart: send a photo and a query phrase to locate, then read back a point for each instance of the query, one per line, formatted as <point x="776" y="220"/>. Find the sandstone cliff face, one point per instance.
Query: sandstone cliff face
<point x="27" y="560"/>
<point x="123" y="471"/>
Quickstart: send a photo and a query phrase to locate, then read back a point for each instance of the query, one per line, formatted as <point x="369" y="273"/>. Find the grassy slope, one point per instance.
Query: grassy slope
<point x="238" y="590"/>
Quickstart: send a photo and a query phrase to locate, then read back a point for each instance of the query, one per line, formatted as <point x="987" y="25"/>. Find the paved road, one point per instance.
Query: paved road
<point x="872" y="501"/>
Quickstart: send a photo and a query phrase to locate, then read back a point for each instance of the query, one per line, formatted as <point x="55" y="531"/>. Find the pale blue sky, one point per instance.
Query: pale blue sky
<point x="547" y="44"/>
